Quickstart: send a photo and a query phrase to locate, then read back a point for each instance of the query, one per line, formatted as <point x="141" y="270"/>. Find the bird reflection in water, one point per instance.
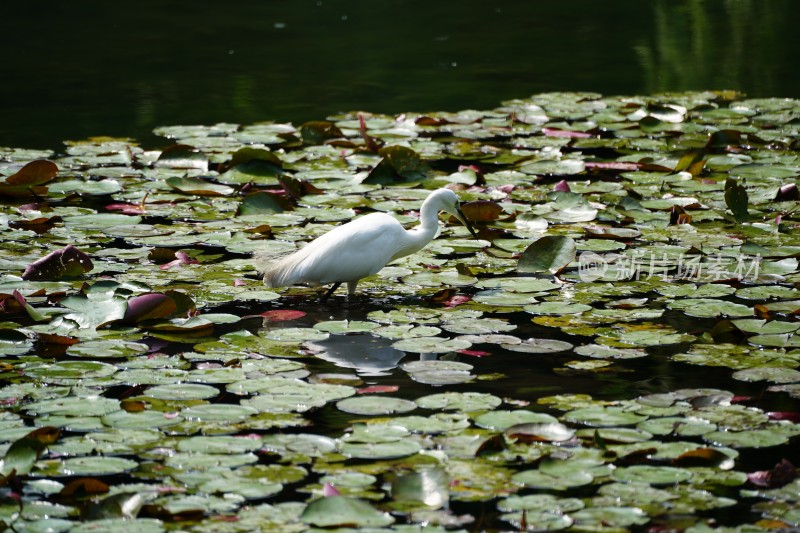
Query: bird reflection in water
<point x="367" y="354"/>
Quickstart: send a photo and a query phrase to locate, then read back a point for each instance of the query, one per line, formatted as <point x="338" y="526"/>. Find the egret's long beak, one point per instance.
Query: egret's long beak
<point x="459" y="214"/>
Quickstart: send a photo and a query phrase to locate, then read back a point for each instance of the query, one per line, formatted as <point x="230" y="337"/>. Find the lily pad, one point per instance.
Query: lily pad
<point x="344" y="511"/>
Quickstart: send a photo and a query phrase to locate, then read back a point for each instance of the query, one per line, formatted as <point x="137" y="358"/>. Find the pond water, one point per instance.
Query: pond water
<point x="92" y="68"/>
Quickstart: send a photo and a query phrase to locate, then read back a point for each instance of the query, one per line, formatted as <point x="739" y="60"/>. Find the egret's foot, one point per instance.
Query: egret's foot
<point x="329" y="292"/>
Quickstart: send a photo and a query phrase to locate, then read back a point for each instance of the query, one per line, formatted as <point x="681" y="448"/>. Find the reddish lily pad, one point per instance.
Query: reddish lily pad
<point x="65" y="263"/>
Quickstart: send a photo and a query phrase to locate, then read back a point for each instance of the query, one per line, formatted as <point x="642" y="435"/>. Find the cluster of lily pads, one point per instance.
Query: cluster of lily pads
<point x="150" y="380"/>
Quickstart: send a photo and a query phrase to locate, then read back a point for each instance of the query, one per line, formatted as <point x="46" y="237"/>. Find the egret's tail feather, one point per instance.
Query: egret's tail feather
<point x="280" y="269"/>
<point x="272" y="266"/>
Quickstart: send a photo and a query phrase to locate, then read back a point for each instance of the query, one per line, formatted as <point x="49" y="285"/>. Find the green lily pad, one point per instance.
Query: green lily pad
<point x="182" y="391"/>
<point x="430" y="345"/>
<point x="653" y="475"/>
<point x="218" y="412"/>
<point x="539" y="346"/>
<point x="375" y="405"/>
<point x="379" y="450"/>
<point x="296" y="335"/>
<point x="502" y="420"/>
<point x="755" y="438"/>
<point x="84" y="466"/>
<point x="706" y="307"/>
<point x="461" y="401"/>
<point x="548" y="254"/>
<point x="439" y="372"/>
<point x="344" y="511"/>
<point x="70" y="370"/>
<point x="604" y="416"/>
<point x="771" y="374"/>
<point x="557" y="308"/>
<point x="345" y="326"/>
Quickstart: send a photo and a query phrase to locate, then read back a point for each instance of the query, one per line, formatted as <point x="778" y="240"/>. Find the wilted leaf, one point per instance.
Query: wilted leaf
<point x="481" y="210"/>
<point x="84" y="487"/>
<point x="34" y="173"/>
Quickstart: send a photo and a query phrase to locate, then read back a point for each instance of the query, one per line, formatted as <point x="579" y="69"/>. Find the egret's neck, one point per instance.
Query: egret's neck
<point x="417" y="237"/>
<point x="428" y="219"/>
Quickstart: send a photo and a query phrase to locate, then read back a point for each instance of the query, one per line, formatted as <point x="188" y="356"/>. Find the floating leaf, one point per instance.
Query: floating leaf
<point x="430" y="345"/>
<point x="428" y="486"/>
<point x="375" y="405"/>
<point x="258" y="203"/>
<point x="548" y="254"/>
<point x="36" y="172"/>
<point x="198" y="186"/>
<point x="344" y="511"/>
<point x="183" y="156"/>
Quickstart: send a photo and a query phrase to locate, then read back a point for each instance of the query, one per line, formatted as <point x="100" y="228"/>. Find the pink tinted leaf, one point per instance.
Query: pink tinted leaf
<point x="181" y="258"/>
<point x="562" y="186"/>
<point x="781" y="474"/>
<point x="128" y="209"/>
<point x="33" y="313"/>
<point x="612" y="165"/>
<point x="279" y="315"/>
<point x="457" y="300"/>
<point x="555" y="132"/>
<point x="330" y="490"/>
<point x="148" y="306"/>
<point x="377" y="389"/>
<point x="474" y="353"/>
<point x="167" y="266"/>
<point x="784" y="415"/>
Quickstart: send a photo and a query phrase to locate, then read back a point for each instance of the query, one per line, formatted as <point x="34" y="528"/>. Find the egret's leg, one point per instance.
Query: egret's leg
<point x="330" y="291"/>
<point x="351" y="287"/>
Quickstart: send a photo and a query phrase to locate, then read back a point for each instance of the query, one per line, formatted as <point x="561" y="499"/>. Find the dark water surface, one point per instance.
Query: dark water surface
<point x="76" y="69"/>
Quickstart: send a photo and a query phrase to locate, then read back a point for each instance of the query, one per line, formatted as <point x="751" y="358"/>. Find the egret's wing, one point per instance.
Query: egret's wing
<point x="350" y="252"/>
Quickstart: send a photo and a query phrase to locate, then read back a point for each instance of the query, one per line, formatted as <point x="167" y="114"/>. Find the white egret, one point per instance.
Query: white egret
<point x="359" y="248"/>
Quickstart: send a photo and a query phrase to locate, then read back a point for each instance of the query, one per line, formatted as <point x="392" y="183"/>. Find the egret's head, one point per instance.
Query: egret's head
<point x="449" y="203"/>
